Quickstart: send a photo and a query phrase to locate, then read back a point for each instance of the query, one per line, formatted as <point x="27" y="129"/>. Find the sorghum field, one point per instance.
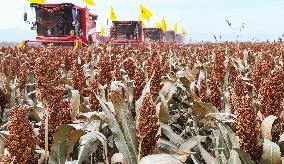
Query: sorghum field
<point x="195" y="103"/>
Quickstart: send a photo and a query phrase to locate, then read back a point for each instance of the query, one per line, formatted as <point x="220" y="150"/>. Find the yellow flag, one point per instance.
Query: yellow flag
<point x="37" y="1"/>
<point x="145" y="13"/>
<point x="112" y="14"/>
<point x="140" y="20"/>
<point x="176" y="28"/>
<point x="164" y="25"/>
<point x="102" y="31"/>
<point x="158" y="25"/>
<point x="22" y="44"/>
<point x="184" y="33"/>
<point x="90" y="2"/>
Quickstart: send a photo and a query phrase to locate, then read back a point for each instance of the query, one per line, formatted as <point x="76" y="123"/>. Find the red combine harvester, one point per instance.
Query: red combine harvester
<point x="126" y="32"/>
<point x="63" y="25"/>
<point x="170" y="37"/>
<point x="153" y="35"/>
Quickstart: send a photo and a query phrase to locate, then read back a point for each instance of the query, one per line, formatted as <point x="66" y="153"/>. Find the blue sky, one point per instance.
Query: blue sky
<point x="263" y="19"/>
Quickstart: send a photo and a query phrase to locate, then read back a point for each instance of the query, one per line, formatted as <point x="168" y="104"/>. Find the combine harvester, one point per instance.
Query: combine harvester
<point x="153" y="35"/>
<point x="63" y="25"/>
<point x="158" y="35"/>
<point x="126" y="32"/>
<point x="170" y="37"/>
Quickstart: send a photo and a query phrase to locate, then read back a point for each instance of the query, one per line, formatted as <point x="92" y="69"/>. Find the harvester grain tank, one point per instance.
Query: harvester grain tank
<point x="153" y="35"/>
<point x="63" y="24"/>
<point x="126" y="32"/>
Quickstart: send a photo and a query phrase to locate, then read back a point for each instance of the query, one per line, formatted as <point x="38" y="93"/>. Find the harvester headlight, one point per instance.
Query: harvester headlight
<point x="72" y="32"/>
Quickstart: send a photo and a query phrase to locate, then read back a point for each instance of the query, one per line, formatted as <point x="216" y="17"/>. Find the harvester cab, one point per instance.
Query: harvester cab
<point x="153" y="35"/>
<point x="63" y="25"/>
<point x="126" y="32"/>
<point x="170" y="36"/>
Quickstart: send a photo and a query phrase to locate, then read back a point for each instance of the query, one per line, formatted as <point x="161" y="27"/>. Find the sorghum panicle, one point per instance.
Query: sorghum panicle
<point x="216" y="79"/>
<point x="148" y="126"/>
<point x="245" y="125"/>
<point x="21" y="141"/>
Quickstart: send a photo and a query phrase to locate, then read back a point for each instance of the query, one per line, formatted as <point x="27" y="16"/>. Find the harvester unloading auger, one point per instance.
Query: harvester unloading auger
<point x="63" y="25"/>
